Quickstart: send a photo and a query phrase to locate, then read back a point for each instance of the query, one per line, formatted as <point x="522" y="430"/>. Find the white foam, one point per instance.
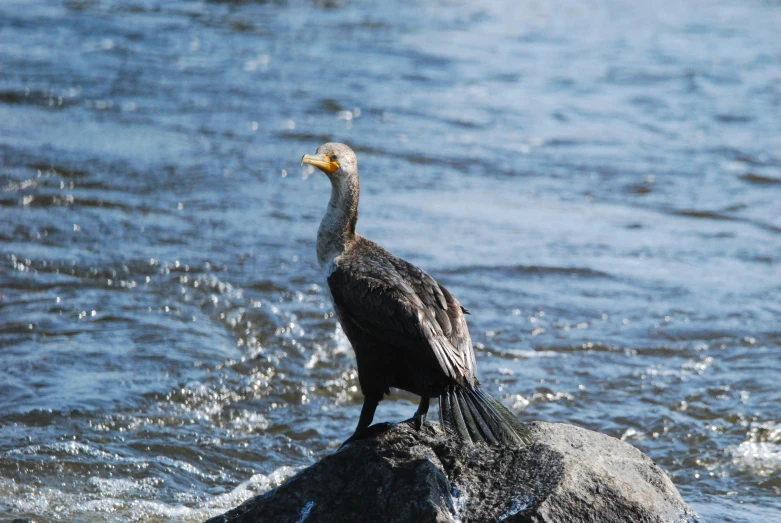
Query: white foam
<point x="255" y="485"/>
<point x="73" y="448"/>
<point x="761" y="457"/>
<point x="127" y="500"/>
<point x="530" y="354"/>
<point x="117" y="487"/>
<point x="250" y="422"/>
<point x="762" y="452"/>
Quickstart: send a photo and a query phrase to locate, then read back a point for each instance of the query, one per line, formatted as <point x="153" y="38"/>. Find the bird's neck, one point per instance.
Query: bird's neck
<point x="337" y="229"/>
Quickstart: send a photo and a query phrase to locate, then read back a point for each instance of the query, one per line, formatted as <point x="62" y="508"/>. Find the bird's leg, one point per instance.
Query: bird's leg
<point x="420" y="415"/>
<point x="367" y="413"/>
<point x="363" y="430"/>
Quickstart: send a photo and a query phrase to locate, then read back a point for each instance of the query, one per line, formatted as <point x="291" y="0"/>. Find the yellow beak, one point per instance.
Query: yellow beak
<point x="324" y="163"/>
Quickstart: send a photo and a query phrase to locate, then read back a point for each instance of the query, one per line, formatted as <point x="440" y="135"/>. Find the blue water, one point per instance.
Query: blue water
<point x="598" y="182"/>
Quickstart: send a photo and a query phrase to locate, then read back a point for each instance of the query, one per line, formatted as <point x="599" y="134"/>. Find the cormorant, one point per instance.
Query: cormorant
<point x="407" y="330"/>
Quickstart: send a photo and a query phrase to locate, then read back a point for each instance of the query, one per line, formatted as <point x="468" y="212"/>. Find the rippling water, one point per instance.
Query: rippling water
<point x="599" y="182"/>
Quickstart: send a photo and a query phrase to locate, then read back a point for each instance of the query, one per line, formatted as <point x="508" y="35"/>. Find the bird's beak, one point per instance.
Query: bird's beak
<point x="324" y="163"/>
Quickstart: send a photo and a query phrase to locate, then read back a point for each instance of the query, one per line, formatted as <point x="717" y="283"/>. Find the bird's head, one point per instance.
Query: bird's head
<point x="335" y="159"/>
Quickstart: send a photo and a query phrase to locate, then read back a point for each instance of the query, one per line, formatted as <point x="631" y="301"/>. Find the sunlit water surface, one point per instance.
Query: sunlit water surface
<point x="599" y="182"/>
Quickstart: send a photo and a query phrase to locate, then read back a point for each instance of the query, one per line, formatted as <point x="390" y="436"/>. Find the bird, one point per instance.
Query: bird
<point x="408" y="331"/>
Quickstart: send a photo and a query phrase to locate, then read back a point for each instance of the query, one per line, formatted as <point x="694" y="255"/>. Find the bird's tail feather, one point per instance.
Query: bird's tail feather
<point x="473" y="415"/>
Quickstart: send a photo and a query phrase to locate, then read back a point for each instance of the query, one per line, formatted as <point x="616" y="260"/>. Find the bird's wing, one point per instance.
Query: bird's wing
<point x="406" y="307"/>
<point x="446" y="308"/>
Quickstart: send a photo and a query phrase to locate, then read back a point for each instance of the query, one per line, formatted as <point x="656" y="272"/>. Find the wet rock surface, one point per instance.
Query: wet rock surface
<point x="568" y="474"/>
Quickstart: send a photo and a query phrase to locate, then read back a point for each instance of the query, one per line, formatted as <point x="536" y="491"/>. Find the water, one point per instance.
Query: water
<point x="597" y="181"/>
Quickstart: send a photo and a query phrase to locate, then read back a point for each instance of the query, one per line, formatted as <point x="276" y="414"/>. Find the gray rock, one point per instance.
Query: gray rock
<point x="567" y="475"/>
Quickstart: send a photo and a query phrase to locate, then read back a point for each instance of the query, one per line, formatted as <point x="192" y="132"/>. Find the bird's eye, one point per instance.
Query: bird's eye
<point x="333" y="157"/>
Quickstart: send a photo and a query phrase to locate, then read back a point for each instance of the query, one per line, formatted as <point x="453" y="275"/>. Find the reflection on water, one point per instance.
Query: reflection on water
<point x="597" y="182"/>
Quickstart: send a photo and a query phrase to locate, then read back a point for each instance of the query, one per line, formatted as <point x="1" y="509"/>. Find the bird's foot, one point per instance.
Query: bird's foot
<point x="374" y="430"/>
<point x="416" y="421"/>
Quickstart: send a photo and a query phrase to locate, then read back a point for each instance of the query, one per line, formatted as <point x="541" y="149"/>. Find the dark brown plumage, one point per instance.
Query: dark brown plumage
<point x="410" y="325"/>
<point x="407" y="331"/>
